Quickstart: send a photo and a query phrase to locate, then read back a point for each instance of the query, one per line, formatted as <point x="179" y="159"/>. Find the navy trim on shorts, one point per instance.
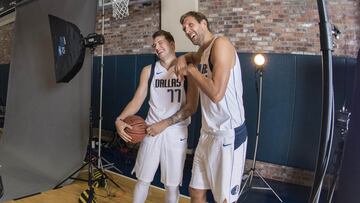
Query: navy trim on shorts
<point x="240" y="135"/>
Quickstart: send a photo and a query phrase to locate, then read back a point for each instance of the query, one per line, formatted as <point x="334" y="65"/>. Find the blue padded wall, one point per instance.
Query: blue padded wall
<point x="142" y="61"/>
<point x="306" y="126"/>
<point x="120" y="79"/>
<point x="125" y="85"/>
<point x="118" y="87"/>
<point x="291" y="106"/>
<point x="277" y="108"/>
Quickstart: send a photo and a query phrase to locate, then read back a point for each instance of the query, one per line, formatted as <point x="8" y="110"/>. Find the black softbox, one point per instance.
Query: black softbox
<point x="69" y="51"/>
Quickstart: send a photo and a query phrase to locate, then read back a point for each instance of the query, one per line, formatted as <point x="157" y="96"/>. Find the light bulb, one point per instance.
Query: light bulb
<point x="259" y="59"/>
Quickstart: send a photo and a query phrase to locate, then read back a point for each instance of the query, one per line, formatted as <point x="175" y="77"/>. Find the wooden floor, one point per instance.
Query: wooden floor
<point x="70" y="193"/>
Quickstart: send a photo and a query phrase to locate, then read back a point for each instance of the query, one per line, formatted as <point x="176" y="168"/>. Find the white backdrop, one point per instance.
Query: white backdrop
<point x="47" y="124"/>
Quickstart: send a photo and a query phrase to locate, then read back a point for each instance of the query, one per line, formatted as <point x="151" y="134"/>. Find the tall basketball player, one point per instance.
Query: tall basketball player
<point x="168" y="118"/>
<point x="220" y="155"/>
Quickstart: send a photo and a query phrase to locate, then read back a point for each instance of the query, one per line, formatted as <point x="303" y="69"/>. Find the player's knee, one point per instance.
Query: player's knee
<point x="142" y="183"/>
<point x="197" y="194"/>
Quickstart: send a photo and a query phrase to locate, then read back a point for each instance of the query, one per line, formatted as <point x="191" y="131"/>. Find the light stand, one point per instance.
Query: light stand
<point x="259" y="61"/>
<point x="69" y="48"/>
<point x="91" y="41"/>
<point x="99" y="163"/>
<point x="101" y="85"/>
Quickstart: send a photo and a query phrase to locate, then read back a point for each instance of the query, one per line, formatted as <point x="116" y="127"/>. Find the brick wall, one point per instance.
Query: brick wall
<point x="283" y="26"/>
<point x="273" y="26"/>
<point x="285" y="174"/>
<point x="6" y="36"/>
<point x="132" y="34"/>
<point x="345" y="15"/>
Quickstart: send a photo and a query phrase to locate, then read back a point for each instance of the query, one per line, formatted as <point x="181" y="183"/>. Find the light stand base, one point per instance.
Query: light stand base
<point x="80" y="179"/>
<point x="249" y="181"/>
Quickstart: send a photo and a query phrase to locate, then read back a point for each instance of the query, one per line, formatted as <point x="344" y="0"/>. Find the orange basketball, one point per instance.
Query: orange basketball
<point x="138" y="131"/>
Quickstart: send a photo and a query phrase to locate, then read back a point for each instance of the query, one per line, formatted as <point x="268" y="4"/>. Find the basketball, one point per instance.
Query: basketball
<point x="138" y="131"/>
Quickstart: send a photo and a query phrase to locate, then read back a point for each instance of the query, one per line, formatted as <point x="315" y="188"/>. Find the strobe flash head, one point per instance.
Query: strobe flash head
<point x="93" y="39"/>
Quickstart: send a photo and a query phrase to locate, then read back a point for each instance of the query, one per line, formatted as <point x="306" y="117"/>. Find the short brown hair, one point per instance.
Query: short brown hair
<point x="197" y="15"/>
<point x="164" y="33"/>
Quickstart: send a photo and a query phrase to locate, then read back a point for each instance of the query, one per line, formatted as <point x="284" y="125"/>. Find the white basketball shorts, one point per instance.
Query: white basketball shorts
<point x="169" y="149"/>
<point x="219" y="163"/>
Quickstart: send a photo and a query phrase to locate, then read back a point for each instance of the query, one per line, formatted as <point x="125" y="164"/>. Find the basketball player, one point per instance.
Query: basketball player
<point x="168" y="118"/>
<point x="220" y="155"/>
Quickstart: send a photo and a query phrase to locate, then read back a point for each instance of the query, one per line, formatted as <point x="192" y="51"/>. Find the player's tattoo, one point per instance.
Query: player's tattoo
<point x="180" y="115"/>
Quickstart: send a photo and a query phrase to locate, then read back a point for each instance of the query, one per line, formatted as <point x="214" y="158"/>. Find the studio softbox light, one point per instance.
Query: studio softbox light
<point x="68" y="47"/>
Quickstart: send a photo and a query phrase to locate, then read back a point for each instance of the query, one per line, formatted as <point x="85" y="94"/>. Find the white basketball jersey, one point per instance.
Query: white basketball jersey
<point x="167" y="95"/>
<point x="229" y="112"/>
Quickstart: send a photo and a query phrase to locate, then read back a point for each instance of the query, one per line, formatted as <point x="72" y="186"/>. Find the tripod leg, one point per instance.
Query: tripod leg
<point x="107" y="177"/>
<point x="251" y="173"/>
<point x="117" y="185"/>
<point x="273" y="191"/>
<point x="111" y="165"/>
<point x="70" y="176"/>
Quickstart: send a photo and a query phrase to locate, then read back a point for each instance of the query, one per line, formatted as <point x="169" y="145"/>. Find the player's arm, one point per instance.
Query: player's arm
<point x="182" y="61"/>
<point x="223" y="59"/>
<point x="189" y="108"/>
<point x="185" y="59"/>
<point x="192" y="96"/>
<point x="134" y="105"/>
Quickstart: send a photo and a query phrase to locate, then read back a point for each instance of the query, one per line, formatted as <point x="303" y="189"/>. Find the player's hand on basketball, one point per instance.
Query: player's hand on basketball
<point x="120" y="129"/>
<point x="156" y="128"/>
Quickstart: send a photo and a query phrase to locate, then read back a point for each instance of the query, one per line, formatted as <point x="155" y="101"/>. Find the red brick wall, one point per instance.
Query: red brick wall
<point x="283" y="26"/>
<point x="132" y="34"/>
<point x="274" y="26"/>
<point x="285" y="174"/>
<point x="345" y="15"/>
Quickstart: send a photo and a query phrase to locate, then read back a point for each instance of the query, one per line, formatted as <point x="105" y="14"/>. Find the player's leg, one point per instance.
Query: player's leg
<point x="199" y="180"/>
<point x="238" y="162"/>
<point x="147" y="162"/>
<point x="229" y="167"/>
<point x="197" y="195"/>
<point x="172" y="159"/>
<point x="172" y="194"/>
<point x="141" y="191"/>
<point x="236" y="173"/>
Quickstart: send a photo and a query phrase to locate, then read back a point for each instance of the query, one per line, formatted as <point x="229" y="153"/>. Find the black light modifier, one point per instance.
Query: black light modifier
<point x="69" y="47"/>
